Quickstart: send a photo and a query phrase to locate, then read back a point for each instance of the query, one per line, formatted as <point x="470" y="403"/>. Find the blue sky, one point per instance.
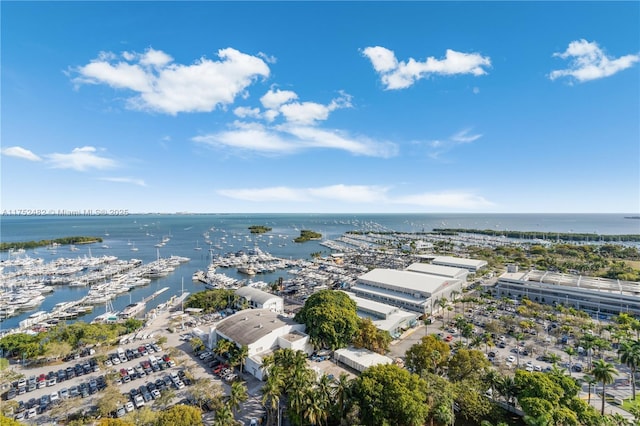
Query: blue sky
<point x="321" y="107"/>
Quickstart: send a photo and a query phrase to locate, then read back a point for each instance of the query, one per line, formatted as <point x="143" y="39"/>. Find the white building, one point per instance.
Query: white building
<point x="439" y="271"/>
<point x="258" y="299"/>
<point x="597" y="295"/>
<point x="472" y="265"/>
<point x="385" y="317"/>
<point x="262" y="331"/>
<point x="413" y="291"/>
<point x="360" y="359"/>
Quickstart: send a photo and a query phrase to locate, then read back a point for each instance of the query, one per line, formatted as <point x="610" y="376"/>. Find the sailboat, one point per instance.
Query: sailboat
<point x="197" y="247"/>
<point x="133" y="247"/>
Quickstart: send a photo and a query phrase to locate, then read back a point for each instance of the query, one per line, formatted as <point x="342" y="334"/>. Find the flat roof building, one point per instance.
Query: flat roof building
<point x="472" y="265"/>
<point x="439" y="271"/>
<point x="262" y="331"/>
<point x="360" y="359"/>
<point x="413" y="291"/>
<point x="385" y="317"/>
<point x="597" y="295"/>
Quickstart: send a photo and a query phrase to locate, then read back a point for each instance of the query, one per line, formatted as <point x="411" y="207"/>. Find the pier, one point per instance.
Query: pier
<point x="155" y="294"/>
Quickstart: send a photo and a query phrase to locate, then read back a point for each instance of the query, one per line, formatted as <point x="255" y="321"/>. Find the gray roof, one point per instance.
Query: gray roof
<point x="406" y="280"/>
<point x="461" y="261"/>
<point x="249" y="325"/>
<point x="444" y="271"/>
<point x="256" y="295"/>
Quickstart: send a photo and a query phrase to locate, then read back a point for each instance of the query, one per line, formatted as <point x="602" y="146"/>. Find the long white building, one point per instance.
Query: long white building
<point x="413" y="291"/>
<point x="597" y="295"/>
<point x="472" y="265"/>
<point x="258" y="299"/>
<point x="385" y="317"/>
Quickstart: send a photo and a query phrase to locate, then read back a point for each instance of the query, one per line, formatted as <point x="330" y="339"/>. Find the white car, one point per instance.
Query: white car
<point x="129" y="407"/>
<point x="155" y="394"/>
<point x="54" y="397"/>
<point x="511" y="359"/>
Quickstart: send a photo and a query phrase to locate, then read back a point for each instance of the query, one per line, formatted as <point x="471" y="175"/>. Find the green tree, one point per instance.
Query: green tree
<point x="224" y="416"/>
<point x="590" y="381"/>
<point x="330" y="318"/>
<point x="237" y="395"/>
<point x="390" y="395"/>
<point x="604" y="372"/>
<point x="239" y="356"/>
<point x="369" y="337"/>
<point x="110" y="400"/>
<point x="629" y="352"/>
<point x="430" y="354"/>
<point x="180" y="415"/>
<point x="467" y="364"/>
<point x="196" y="344"/>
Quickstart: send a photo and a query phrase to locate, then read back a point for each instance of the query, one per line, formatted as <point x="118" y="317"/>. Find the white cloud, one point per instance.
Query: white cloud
<point x="589" y="62"/>
<point x="274" y="98"/>
<point x="288" y="139"/>
<point x="19" y="152"/>
<point x="244" y="112"/>
<point x="447" y="199"/>
<point x="358" y="194"/>
<point x="80" y="159"/>
<point x="400" y="75"/>
<point x="439" y="147"/>
<point x="133" y="181"/>
<point x="476" y="90"/>
<point x="172" y="88"/>
<point x="297" y="132"/>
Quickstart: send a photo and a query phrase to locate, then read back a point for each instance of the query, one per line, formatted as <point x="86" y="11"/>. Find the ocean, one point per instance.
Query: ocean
<point x="187" y="232"/>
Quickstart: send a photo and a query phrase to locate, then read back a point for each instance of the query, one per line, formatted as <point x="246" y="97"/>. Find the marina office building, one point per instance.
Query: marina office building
<point x="596" y="295"/>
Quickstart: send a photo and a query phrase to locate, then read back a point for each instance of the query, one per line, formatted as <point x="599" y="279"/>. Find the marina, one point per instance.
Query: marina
<point x="71" y="285"/>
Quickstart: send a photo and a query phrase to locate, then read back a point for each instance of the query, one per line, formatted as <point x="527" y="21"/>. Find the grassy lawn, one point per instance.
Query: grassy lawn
<point x="626" y="405"/>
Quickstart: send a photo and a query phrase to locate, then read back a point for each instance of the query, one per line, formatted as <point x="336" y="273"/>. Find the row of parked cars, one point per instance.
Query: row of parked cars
<point x="35" y="406"/>
<point x="122" y="355"/>
<point x="24" y="385"/>
<point x="145" y="367"/>
<point x="138" y="397"/>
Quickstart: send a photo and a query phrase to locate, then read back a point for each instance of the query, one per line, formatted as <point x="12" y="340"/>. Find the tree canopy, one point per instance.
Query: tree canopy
<point x="330" y="317"/>
<point x="390" y="395"/>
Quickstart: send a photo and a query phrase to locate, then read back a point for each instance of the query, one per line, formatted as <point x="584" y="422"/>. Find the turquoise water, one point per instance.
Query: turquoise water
<point x="185" y="233"/>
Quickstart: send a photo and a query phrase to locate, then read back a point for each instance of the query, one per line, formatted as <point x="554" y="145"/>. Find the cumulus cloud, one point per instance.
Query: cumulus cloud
<point x="80" y="159"/>
<point x="439" y="147"/>
<point x="296" y="130"/>
<point x="587" y="61"/>
<point x="359" y="194"/>
<point x="400" y="74"/>
<point x="133" y="181"/>
<point x="164" y="86"/>
<point x="19" y="152"/>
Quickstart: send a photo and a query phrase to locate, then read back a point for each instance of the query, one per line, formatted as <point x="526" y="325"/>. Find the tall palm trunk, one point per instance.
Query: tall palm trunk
<point x="602" y="409"/>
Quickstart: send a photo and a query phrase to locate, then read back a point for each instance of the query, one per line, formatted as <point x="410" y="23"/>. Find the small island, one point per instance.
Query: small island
<point x="259" y="229"/>
<point x="307" y="235"/>
<point x="16" y="245"/>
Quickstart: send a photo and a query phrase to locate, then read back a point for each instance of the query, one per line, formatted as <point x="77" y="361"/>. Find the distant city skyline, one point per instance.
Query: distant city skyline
<point x="321" y="107"/>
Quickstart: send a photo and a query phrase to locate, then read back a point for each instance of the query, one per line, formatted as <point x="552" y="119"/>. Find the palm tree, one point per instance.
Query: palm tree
<point x="590" y="381"/>
<point x="508" y="389"/>
<point x="239" y="355"/>
<point x="342" y="395"/>
<point x="442" y="303"/>
<point x="630" y="356"/>
<point x="571" y="352"/>
<point x="237" y="395"/>
<point x="224" y="417"/>
<point x="493" y="379"/>
<point x="271" y="394"/>
<point x="223" y="347"/>
<point x="604" y="372"/>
